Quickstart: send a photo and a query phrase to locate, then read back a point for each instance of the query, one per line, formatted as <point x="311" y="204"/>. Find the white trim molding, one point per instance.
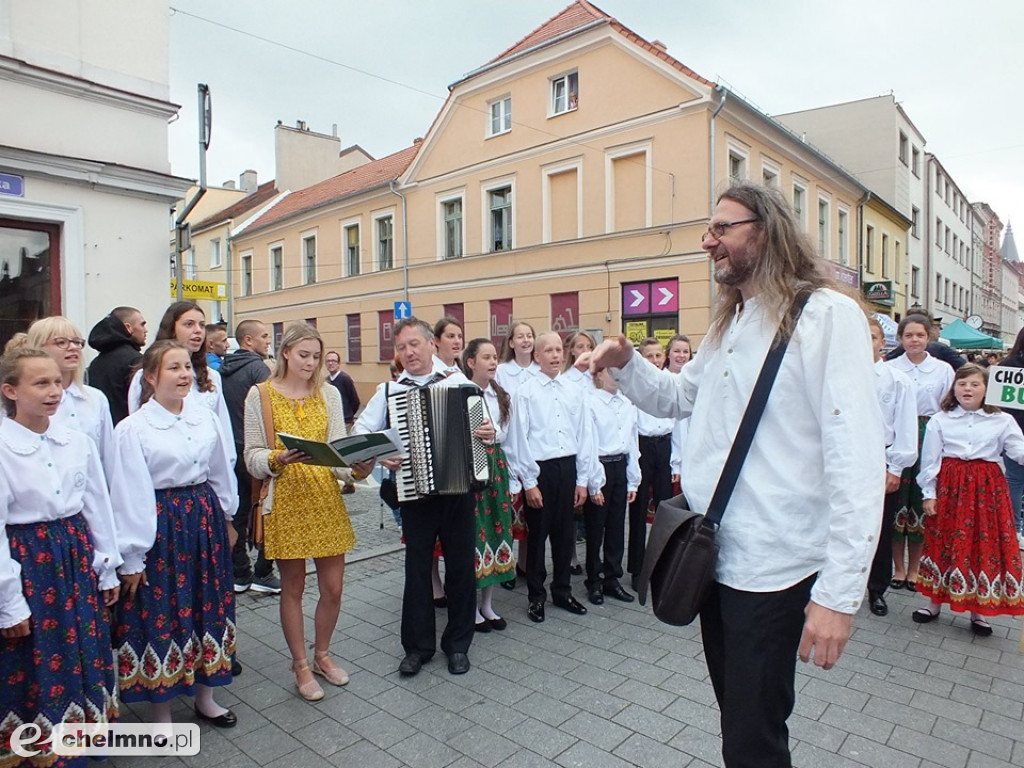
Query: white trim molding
<point x="553" y="169"/>
<point x="614" y="153"/>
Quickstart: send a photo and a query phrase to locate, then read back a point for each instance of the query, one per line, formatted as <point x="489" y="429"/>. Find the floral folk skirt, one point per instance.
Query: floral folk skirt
<point x="971" y="558"/>
<point x="179" y="630"/>
<point x="494" y="560"/>
<point x="909" y="523"/>
<point x="64" y="670"/>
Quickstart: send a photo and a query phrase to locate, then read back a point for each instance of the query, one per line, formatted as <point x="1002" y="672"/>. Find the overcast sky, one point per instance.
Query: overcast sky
<point x="955" y="67"/>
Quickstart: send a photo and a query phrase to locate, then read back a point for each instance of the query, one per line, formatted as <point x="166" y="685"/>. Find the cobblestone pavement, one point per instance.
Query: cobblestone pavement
<point x="612" y="688"/>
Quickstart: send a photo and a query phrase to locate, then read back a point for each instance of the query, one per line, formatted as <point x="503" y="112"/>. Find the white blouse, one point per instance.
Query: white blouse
<point x="501" y="434"/>
<point x="50" y="477"/>
<point x="614" y="434"/>
<point x="157" y="449"/>
<point x="213" y="400"/>
<point x="960" y="434"/>
<point x="86" y="409"/>
<point x="583" y="378"/>
<point x="511" y="376"/>
<point x="899" y="416"/>
<point x="931" y="379"/>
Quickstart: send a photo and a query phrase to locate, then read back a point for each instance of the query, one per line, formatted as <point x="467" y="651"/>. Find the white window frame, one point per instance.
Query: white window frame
<point x="915" y="222"/>
<point x="505" y="116"/>
<point x="486" y="238"/>
<point x="824" y="228"/>
<point x="915" y="282"/>
<point x="216" y="257"/>
<point x="191" y="272"/>
<point x="897" y="260"/>
<point x="915" y="161"/>
<point x="246" y="290"/>
<point x="565" y="77"/>
<point x="547" y="171"/>
<point x="903" y="151"/>
<point x="378" y="216"/>
<point x="303" y="239"/>
<point x="610" y="156"/>
<point x="443" y="199"/>
<point x="885" y="265"/>
<point x="799" y="185"/>
<point x="772" y="168"/>
<point x="843" y="236"/>
<point x="869" y="249"/>
<point x="345" y="226"/>
<point x="279" y="245"/>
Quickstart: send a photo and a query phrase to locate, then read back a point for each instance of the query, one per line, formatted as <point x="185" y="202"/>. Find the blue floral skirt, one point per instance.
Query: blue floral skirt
<point x="64" y="670"/>
<point x="179" y="630"/>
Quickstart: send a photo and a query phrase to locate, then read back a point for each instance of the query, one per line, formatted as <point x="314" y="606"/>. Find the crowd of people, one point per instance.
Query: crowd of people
<point x="127" y="504"/>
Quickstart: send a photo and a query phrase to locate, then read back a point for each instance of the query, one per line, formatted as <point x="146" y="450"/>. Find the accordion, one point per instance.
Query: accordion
<point x="436" y="425"/>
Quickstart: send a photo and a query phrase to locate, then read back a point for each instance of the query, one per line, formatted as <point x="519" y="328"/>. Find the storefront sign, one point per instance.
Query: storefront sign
<point x="879" y="292"/>
<point x="11" y="185"/>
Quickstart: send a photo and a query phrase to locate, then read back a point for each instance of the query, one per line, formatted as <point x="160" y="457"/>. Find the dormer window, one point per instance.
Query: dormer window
<point x="565" y="93"/>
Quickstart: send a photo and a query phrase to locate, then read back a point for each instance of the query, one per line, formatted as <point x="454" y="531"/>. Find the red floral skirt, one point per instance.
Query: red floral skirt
<point x="971" y="559"/>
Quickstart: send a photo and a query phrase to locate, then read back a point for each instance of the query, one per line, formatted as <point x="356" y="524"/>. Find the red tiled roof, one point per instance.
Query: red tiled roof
<point x="264" y="192"/>
<point x="365" y="177"/>
<point x="580" y="14"/>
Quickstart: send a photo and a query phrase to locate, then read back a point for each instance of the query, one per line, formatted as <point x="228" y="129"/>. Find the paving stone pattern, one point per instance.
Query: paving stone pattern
<point x="612" y="688"/>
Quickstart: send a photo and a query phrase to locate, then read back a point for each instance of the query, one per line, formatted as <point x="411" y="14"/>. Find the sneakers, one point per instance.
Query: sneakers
<point x="268" y="584"/>
<point x="242" y="584"/>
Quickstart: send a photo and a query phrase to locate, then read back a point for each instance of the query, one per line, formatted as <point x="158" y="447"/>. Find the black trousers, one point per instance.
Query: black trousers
<point x="750" y="645"/>
<point x="606" y="528"/>
<point x="240" y="552"/>
<point x="557" y="484"/>
<point x="452" y="519"/>
<point x="881" y="566"/>
<point x="656" y="474"/>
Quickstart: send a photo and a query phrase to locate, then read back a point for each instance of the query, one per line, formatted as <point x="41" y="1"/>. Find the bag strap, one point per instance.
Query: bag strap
<point x="751" y="417"/>
<point x="268" y="414"/>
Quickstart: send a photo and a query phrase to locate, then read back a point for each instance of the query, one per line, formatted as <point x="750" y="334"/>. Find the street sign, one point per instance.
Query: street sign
<point x="198" y="290"/>
<point x="11" y="185"/>
<point x="403" y="310"/>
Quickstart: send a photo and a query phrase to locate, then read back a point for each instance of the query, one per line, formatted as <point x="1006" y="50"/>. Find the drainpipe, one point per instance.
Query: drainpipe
<point x="711" y="189"/>
<point x="393" y="187"/>
<point x="860" y="236"/>
<point x="228" y="262"/>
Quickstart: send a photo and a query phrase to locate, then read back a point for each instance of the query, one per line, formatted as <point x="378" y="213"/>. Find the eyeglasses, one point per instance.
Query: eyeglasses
<point x="718" y="229"/>
<point x="61" y="343"/>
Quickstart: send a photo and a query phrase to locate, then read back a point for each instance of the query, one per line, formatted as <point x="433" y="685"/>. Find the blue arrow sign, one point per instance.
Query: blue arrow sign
<point x="403" y="310"/>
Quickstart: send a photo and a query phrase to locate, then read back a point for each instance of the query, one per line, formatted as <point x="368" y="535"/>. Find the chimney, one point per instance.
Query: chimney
<point x="334" y="129"/>
<point x="229" y="184"/>
<point x="660" y="46"/>
<point x="301" y="125"/>
<point x="247" y="181"/>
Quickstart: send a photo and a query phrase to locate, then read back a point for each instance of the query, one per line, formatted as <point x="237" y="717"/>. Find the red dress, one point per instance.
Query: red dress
<point x="971" y="558"/>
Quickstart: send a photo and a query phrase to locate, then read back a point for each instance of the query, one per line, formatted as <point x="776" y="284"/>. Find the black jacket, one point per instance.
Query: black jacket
<point x="943" y="352"/>
<point x="349" y="397"/>
<point x="238" y="373"/>
<point x="112" y="369"/>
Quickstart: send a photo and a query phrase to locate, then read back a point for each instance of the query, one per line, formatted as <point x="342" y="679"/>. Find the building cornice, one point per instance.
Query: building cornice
<point x="18" y="71"/>
<point x="101" y="176"/>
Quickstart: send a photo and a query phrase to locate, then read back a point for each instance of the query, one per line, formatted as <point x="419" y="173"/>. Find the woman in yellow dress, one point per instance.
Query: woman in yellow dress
<point x="305" y="515"/>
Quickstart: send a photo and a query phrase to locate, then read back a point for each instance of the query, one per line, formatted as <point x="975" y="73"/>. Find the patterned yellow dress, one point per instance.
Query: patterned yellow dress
<point x="308" y="516"/>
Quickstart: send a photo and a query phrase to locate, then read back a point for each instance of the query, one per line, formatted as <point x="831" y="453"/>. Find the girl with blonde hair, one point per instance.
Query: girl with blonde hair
<point x="304" y="515"/>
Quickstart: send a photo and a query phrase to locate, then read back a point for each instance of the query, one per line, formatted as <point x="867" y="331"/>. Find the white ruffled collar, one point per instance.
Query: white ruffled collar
<point x="959" y="413"/>
<point x="25" y="442"/>
<point x="159" y="417"/>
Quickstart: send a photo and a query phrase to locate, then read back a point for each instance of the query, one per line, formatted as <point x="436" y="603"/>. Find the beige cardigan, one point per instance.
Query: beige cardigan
<point x="258" y="447"/>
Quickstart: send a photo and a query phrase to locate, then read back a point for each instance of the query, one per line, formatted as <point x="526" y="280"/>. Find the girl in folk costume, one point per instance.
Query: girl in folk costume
<point x="82" y="408"/>
<point x="494" y="561"/>
<point x="971" y="558"/>
<point x="677" y="354"/>
<point x="931" y="378"/>
<point x="305" y="514"/>
<point x="185" y="323"/>
<point x="173" y="489"/>
<point x="58" y="564"/>
<point x="517" y="367"/>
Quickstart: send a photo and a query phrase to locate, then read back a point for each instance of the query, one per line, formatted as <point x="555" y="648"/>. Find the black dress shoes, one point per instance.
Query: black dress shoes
<point x="498" y="624"/>
<point x="411" y="664"/>
<point x="570" y="604"/>
<point x="483" y="626"/>
<point x="576" y="570"/>
<point x="536" y="612"/>
<point x="878" y="604"/>
<point x="458" y="664"/>
<point x="227" y="720"/>
<point x="618" y="593"/>
<point x="236" y="668"/>
<point x="595" y="596"/>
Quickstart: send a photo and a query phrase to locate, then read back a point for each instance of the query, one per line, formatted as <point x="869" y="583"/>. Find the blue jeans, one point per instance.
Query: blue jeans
<point x="1015" y="480"/>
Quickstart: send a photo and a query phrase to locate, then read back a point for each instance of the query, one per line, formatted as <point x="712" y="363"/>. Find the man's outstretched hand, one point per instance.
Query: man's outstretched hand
<point x="611" y="353"/>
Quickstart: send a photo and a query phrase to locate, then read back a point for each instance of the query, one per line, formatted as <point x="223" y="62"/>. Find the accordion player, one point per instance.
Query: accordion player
<point x="436" y="425"/>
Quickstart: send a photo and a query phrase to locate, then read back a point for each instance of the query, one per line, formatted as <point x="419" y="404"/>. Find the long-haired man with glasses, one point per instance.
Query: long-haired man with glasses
<point x="800" y="529"/>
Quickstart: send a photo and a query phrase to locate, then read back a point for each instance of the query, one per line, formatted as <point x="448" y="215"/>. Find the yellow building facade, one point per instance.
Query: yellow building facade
<point x="566" y="183"/>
